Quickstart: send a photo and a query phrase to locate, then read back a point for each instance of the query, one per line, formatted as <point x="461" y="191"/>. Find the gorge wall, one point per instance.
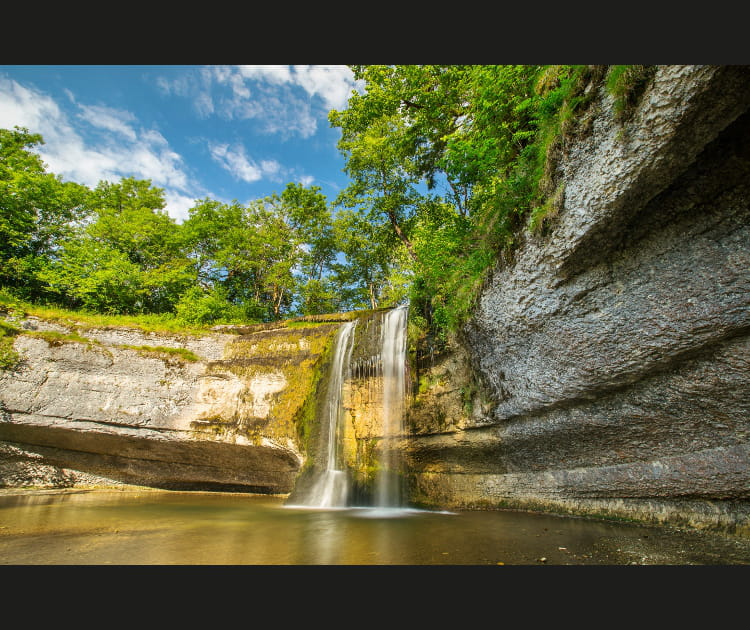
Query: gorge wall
<point x="226" y="411"/>
<point x="612" y="353"/>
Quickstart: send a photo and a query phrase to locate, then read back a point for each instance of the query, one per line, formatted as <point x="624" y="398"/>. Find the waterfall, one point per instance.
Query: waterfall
<point x="383" y="374"/>
<point x="330" y="489"/>
<point x="393" y="354"/>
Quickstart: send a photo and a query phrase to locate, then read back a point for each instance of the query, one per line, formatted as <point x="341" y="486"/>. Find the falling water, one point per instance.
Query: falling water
<point x="331" y="487"/>
<point x="393" y="354"/>
<point x="386" y="369"/>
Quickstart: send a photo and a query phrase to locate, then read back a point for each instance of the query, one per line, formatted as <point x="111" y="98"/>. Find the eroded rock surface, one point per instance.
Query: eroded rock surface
<point x="615" y="347"/>
<point x="116" y="407"/>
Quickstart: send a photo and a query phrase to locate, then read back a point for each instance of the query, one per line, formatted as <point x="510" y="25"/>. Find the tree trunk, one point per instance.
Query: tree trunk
<point x="402" y="236"/>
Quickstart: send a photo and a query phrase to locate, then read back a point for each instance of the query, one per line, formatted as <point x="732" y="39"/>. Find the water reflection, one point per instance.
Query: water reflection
<point x="154" y="527"/>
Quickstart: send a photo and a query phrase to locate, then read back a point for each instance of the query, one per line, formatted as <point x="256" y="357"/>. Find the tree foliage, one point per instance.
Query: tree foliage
<point x="446" y="165"/>
<point x="37" y="210"/>
<point x="459" y="160"/>
<point x="114" y="249"/>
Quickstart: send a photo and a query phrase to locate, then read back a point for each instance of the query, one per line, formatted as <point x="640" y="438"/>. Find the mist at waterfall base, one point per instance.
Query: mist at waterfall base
<point x="330" y="488"/>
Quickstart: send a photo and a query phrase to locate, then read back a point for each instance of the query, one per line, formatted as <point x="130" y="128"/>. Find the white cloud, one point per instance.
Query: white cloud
<point x="152" y="136"/>
<point x="89" y="143"/>
<point x="180" y="86"/>
<point x="162" y="167"/>
<point x="63" y="151"/>
<point x="334" y="84"/>
<point x="287" y="115"/>
<point x="276" y="75"/>
<point x="203" y="104"/>
<point x="121" y="150"/>
<point x="24" y="107"/>
<point x="81" y="164"/>
<point x="109" y="119"/>
<point x="178" y="205"/>
<point x="195" y="86"/>
<point x="234" y="160"/>
<point x="280" y="98"/>
<point x="270" y="168"/>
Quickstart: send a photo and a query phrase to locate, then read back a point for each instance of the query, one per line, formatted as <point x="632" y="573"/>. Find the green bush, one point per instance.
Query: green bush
<point x="198" y="306"/>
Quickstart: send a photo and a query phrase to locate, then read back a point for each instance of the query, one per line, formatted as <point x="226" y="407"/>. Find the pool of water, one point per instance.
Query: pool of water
<point x="193" y="528"/>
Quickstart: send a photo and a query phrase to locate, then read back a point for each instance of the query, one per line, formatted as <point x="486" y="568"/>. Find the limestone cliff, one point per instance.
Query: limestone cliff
<point x="227" y="411"/>
<point x="613" y="351"/>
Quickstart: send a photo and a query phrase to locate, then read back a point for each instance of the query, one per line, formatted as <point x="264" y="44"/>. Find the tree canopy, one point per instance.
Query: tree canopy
<point x="445" y="163"/>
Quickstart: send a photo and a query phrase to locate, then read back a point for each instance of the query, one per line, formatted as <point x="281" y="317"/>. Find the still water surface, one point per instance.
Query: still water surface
<point x="192" y="528"/>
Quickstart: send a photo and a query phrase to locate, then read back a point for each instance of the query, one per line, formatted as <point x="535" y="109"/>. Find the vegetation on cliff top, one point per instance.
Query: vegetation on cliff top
<point x="459" y="160"/>
<point x="448" y="164"/>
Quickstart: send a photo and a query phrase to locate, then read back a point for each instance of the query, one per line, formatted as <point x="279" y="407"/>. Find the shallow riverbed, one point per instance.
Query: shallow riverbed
<point x="148" y="527"/>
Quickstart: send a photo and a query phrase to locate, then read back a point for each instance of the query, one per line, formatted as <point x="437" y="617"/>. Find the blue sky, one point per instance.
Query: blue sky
<point x="222" y="132"/>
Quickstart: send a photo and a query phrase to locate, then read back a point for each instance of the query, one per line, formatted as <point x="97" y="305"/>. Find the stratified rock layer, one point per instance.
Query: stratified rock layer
<point x="119" y="407"/>
<point x="615" y="347"/>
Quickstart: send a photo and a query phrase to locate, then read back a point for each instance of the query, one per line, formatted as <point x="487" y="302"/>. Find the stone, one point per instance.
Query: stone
<point x="117" y="409"/>
<point x="614" y="347"/>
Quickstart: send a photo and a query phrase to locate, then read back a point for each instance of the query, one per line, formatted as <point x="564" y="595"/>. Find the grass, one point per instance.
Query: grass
<point x="549" y="209"/>
<point x="163" y="352"/>
<point x="8" y="356"/>
<point x="54" y="338"/>
<point x="627" y="84"/>
<point x="158" y="323"/>
<point x="83" y="321"/>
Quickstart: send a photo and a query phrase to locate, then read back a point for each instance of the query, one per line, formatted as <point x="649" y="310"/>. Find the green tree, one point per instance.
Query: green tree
<point x="131" y="218"/>
<point x="131" y="235"/>
<point x="370" y="251"/>
<point x="128" y="193"/>
<point x="249" y="252"/>
<point x="320" y="295"/>
<point x="382" y="183"/>
<point x="210" y="233"/>
<point x="97" y="277"/>
<point x="447" y="155"/>
<point x="316" y="248"/>
<point x="204" y="306"/>
<point x="310" y="218"/>
<point x="432" y="103"/>
<point x="37" y="211"/>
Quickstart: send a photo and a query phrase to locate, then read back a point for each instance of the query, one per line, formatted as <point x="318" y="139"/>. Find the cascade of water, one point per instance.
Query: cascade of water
<point x="331" y="487"/>
<point x="384" y="374"/>
<point x="393" y="359"/>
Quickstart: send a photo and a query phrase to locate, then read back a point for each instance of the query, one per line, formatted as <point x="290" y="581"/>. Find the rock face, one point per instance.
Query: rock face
<point x="614" y="349"/>
<point x="116" y="406"/>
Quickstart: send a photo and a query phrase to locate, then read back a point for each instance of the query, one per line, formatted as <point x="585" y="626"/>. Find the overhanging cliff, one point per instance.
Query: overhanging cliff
<point x="613" y="350"/>
<point x="224" y="411"/>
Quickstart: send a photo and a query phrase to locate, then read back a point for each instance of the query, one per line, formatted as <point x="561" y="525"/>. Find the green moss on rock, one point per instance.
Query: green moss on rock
<point x="297" y="354"/>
